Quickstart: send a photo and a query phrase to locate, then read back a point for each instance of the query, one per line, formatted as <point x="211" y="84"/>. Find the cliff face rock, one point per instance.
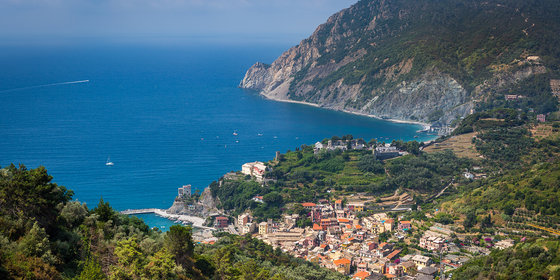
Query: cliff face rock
<point x="208" y="202"/>
<point x="411" y="60"/>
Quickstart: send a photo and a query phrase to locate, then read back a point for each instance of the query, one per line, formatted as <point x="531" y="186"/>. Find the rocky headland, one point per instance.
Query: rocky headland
<point x="417" y="61"/>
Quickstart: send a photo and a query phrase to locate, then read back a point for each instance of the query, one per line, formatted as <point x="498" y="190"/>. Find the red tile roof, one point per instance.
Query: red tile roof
<point x="317" y="227"/>
<point x="393" y="254"/>
<point x="308" y="204"/>
<point x="341" y="261"/>
<point x="361" y="275"/>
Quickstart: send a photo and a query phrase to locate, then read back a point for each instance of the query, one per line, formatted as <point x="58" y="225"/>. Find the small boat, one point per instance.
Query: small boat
<point x="109" y="162"/>
<point x="235" y="133"/>
<point x="260" y="134"/>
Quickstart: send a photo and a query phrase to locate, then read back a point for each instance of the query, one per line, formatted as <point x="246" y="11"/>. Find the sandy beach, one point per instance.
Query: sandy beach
<point x="196" y="221"/>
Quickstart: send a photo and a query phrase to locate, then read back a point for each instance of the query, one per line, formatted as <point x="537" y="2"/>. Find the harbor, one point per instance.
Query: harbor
<point x="196" y="222"/>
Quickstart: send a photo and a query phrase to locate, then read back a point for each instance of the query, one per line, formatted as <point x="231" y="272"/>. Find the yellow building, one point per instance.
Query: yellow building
<point x="358" y="207"/>
<point x="263" y="228"/>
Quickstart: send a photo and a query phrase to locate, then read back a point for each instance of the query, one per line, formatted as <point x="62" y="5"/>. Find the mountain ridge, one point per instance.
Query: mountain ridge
<point x="414" y="60"/>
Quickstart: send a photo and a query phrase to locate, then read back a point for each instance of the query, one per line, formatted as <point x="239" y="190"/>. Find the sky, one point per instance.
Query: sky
<point x="220" y="20"/>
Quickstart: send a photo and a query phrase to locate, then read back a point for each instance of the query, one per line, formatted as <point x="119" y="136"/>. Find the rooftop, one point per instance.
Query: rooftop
<point x="361" y="274"/>
<point x="341" y="261"/>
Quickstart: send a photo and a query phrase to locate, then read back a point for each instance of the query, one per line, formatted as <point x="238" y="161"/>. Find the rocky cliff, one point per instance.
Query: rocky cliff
<point x="205" y="206"/>
<point x="413" y="60"/>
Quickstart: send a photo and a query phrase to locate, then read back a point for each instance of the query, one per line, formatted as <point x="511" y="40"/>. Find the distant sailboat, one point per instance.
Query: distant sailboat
<point x="109" y="162"/>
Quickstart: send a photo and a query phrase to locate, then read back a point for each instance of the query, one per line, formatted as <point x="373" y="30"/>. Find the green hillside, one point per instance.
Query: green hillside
<point x="46" y="235"/>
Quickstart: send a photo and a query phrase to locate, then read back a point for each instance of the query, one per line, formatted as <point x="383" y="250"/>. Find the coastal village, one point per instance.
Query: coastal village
<point x="347" y="234"/>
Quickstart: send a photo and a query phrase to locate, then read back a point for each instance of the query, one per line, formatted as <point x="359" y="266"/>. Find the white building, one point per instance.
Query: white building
<point x="421" y="261"/>
<point x="248" y="228"/>
<point x="184" y="191"/>
<point x="503" y="244"/>
<point x="254" y="169"/>
<point x="468" y="175"/>
<point x="244" y="219"/>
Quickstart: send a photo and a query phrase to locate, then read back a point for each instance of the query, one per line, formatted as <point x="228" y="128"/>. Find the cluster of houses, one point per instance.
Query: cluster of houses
<point x="381" y="152"/>
<point x="361" y="247"/>
<point x="354" y="144"/>
<point x="341" y="241"/>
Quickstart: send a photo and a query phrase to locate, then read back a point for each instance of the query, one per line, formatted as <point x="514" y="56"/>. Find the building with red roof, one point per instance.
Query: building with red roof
<point x="342" y="265"/>
<point x="360" y="275"/>
<point x="338" y="205"/>
<point x="308" y="205"/>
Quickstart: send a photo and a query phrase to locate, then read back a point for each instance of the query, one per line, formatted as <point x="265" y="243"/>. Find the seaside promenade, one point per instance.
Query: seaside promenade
<point x="195" y="221"/>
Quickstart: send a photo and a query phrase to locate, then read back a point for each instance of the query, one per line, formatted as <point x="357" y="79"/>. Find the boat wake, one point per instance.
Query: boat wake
<point x="45" y="85"/>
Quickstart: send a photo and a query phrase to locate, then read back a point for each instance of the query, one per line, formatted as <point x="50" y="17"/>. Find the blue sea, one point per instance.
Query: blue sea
<point x="165" y="115"/>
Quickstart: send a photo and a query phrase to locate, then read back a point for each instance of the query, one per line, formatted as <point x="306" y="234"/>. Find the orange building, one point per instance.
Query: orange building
<point x="342" y="266"/>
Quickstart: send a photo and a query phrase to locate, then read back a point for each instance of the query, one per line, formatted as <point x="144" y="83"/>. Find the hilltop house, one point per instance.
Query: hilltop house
<point x="385" y="152"/>
<point x="254" y="169"/>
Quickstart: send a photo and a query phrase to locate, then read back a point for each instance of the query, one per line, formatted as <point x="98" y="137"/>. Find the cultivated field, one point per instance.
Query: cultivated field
<point x="461" y="145"/>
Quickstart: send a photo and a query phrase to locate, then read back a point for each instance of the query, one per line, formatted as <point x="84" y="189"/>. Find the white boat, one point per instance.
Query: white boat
<point x="235" y="133"/>
<point x="109" y="162"/>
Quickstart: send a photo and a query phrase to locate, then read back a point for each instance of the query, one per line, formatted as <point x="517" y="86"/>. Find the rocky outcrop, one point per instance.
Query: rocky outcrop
<point x="403" y="59"/>
<point x="208" y="202"/>
<point x="205" y="206"/>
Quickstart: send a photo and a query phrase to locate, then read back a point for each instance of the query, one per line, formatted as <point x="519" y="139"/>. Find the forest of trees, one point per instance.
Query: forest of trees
<point x="530" y="260"/>
<point x="46" y="235"/>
